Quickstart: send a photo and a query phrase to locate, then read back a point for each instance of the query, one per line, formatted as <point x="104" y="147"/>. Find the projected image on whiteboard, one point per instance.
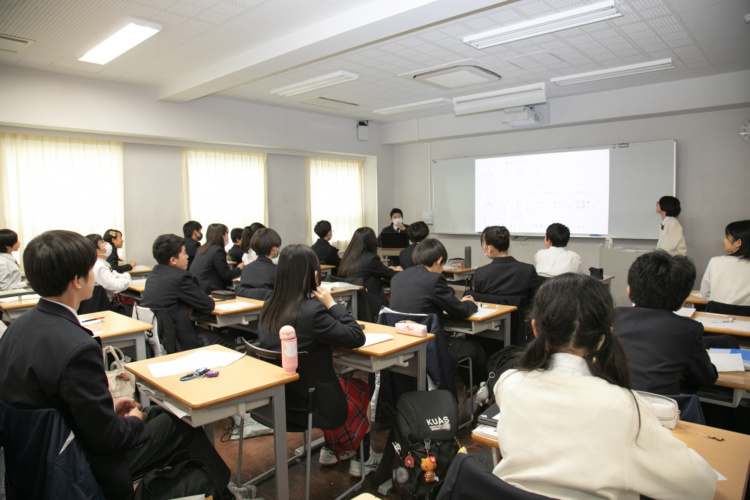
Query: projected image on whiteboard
<point x="527" y="193"/>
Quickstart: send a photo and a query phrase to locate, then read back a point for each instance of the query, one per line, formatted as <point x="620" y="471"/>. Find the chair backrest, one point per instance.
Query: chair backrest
<point x="721" y="308"/>
<point x="166" y="330"/>
<point x="152" y="336"/>
<point x="253" y="293"/>
<point x="364" y="308"/>
<point x="99" y="301"/>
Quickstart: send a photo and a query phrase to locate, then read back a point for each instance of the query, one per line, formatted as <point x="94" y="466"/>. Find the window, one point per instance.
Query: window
<point x="335" y="196"/>
<point x="227" y="187"/>
<point x="53" y="183"/>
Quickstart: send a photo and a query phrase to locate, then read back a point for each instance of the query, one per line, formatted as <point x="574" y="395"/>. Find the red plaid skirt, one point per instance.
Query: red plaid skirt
<point x="349" y="436"/>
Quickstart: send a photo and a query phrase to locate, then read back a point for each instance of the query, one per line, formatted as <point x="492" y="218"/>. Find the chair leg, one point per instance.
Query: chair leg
<point x="308" y="446"/>
<point x="471" y="393"/>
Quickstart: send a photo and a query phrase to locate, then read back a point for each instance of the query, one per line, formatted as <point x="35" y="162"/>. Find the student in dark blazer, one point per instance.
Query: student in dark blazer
<point x="417" y="231"/>
<point x="193" y="236"/>
<point x="361" y="261"/>
<point x="261" y="273"/>
<point x="396" y="226"/>
<point x="664" y="351"/>
<point x="115" y="240"/>
<point x="210" y="266"/>
<point x="171" y="287"/>
<point x="327" y="253"/>
<point x="235" y="253"/>
<point x="50" y="361"/>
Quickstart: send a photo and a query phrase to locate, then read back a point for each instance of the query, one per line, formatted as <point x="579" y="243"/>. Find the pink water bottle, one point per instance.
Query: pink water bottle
<point x="288" y="349"/>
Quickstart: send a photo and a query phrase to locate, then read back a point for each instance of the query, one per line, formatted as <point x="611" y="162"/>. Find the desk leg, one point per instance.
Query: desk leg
<point x="354" y="307"/>
<point x="422" y="368"/>
<point x="506" y="328"/>
<point x="279" y="444"/>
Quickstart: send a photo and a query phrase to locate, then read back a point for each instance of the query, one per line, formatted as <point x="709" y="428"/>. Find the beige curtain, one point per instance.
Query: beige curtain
<point x="335" y="188"/>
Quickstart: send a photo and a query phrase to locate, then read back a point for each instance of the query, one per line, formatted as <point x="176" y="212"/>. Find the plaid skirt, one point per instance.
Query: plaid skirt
<point x="349" y="436"/>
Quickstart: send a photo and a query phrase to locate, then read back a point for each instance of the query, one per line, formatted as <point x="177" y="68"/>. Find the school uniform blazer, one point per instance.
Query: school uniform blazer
<point x="171" y="288"/>
<point x="663" y="348"/>
<point x="211" y="269"/>
<point x="506" y="276"/>
<point x="50" y="361"/>
<point x="235" y="253"/>
<point x="405" y="256"/>
<point x="371" y="270"/>
<point x="260" y="273"/>
<point x="114" y="261"/>
<point x="419" y="291"/>
<point x="327" y="253"/>
<point x="319" y="330"/>
<point x="191" y="248"/>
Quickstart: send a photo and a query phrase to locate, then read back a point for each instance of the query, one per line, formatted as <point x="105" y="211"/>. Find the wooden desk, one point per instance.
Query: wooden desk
<point x="242" y="386"/>
<point x="696" y="298"/>
<point x="453" y="275"/>
<point x="15" y="292"/>
<point x="118" y="330"/>
<point x="247" y="310"/>
<point x="325" y="271"/>
<point x="348" y="296"/>
<point x="738" y="382"/>
<point x="722" y="327"/>
<point x="12" y="309"/>
<point x="141" y="273"/>
<point x="488" y="326"/>
<point x="404" y="354"/>
<point x="730" y="457"/>
<point x="135" y="290"/>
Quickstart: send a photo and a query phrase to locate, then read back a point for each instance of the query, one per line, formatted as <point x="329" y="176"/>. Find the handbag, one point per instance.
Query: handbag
<point x="121" y="382"/>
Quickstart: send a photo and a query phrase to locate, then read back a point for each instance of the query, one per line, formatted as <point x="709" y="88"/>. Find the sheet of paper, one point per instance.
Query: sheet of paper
<point x="191" y="362"/>
<point x="376" y="338"/>
<point x="141" y="267"/>
<point x="697" y="295"/>
<point x="685" y="312"/>
<point x="725" y="323"/>
<point x="725" y="362"/>
<point x="483" y="312"/>
<point x="138" y="282"/>
<point x="233" y="306"/>
<point x="30" y="296"/>
<point x="11" y="299"/>
<point x="486" y="430"/>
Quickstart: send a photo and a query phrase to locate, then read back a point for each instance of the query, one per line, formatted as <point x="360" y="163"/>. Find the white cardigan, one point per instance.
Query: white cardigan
<point x="727" y="280"/>
<point x="671" y="237"/>
<point x="112" y="281"/>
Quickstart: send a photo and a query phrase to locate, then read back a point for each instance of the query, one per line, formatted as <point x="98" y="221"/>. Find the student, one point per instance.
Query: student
<point x="571" y="396"/>
<point x="235" y="253"/>
<point x="171" y="287"/>
<point x="556" y="259"/>
<point x="327" y="253"/>
<point x="114" y="238"/>
<point x="417" y="232"/>
<point x="261" y="273"/>
<point x="248" y="254"/>
<point x="361" y="260"/>
<point x="104" y="276"/>
<point x="663" y="349"/>
<point x="50" y="361"/>
<point x="504" y="276"/>
<point x="193" y="236"/>
<point x="727" y="278"/>
<point x="396" y="226"/>
<point x="671" y="239"/>
<point x="210" y="266"/>
<point x="320" y="324"/>
<point x="10" y="273"/>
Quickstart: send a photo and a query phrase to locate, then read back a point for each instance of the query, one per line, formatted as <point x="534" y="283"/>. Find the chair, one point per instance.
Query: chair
<point x="42" y="457"/>
<point x="364" y="308"/>
<point x="153" y="337"/>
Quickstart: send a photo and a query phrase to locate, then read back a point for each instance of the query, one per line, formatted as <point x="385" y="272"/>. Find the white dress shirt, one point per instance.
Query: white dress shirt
<point x="112" y="281"/>
<point x="671" y="239"/>
<point x="727" y="280"/>
<point x="251" y="256"/>
<point x="554" y="261"/>
<point x="10" y="274"/>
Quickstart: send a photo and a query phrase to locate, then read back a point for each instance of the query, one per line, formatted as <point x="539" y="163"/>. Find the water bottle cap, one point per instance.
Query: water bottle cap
<point x="287" y="332"/>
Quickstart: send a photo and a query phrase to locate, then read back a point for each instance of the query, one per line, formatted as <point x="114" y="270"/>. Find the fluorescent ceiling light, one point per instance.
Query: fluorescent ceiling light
<point x="315" y="83"/>
<point x="132" y="34"/>
<point x="603" y="74"/>
<point x="548" y="24"/>
<point x="527" y="95"/>
<point x="412" y="106"/>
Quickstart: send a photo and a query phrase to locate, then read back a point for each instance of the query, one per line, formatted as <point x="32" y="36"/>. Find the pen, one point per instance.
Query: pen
<point x="101" y="318"/>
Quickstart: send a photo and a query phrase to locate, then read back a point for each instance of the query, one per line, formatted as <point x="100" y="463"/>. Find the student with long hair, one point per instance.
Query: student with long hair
<point x="10" y="273"/>
<point x="361" y="260"/>
<point x="210" y="265"/>
<point x="727" y="277"/>
<point x="570" y="427"/>
<point x="113" y="238"/>
<point x="320" y="323"/>
<point x="671" y="237"/>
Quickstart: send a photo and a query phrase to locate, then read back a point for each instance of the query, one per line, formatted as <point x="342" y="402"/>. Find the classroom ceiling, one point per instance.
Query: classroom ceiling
<point x="243" y="49"/>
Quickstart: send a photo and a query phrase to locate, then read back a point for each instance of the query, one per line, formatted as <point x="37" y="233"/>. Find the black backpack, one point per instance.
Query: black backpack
<point x="182" y="476"/>
<point x="425" y="426"/>
<point x="499" y="362"/>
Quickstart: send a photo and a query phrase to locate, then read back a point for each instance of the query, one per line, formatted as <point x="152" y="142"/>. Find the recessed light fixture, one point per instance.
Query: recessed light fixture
<point x="527" y="95"/>
<point x="315" y="83"/>
<point x="543" y="25"/>
<point x="455" y="77"/>
<point x="135" y="32"/>
<point x="603" y="74"/>
<point x="14" y="44"/>
<point x="403" y="108"/>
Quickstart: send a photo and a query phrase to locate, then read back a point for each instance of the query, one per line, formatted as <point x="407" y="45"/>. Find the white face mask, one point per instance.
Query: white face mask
<point x="108" y="248"/>
<point x="396" y="222"/>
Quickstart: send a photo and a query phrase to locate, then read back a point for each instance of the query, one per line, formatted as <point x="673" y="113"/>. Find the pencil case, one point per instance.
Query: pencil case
<point x="665" y="409"/>
<point x="223" y="294"/>
<point x="411" y="328"/>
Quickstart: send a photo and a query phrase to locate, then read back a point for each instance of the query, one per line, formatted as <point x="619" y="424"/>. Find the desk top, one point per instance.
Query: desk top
<point x="730" y="457"/>
<point x="324" y="267"/>
<point x="719" y="327"/>
<point x="695" y="297"/>
<point x="607" y="278"/>
<point x="735" y="380"/>
<point x="468" y="270"/>
<point x="19" y="304"/>
<point x="389" y="347"/>
<point x="144" y="270"/>
<point x="499" y="311"/>
<point x="137" y="285"/>
<point x="249" y="305"/>
<point x="115" y="324"/>
<point x="245" y="376"/>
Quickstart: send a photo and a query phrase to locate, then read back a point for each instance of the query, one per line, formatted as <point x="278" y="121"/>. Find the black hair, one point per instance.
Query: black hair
<point x="497" y="236"/>
<point x="363" y="240"/>
<point x="264" y="240"/>
<point x="247" y="235"/>
<point x="396" y="211"/>
<point x="428" y="251"/>
<point x="740" y="230"/>
<point x="94" y="239"/>
<point x="167" y="246"/>
<point x="322" y="228"/>
<point x="55" y="258"/>
<point x="214" y="236"/>
<point x="190" y="227"/>
<point x="236" y="234"/>
<point x="658" y="280"/>
<point x="8" y="238"/>
<point x="558" y="234"/>
<point x="670" y="205"/>
<point x="418" y="231"/>
<point x="110" y="235"/>
<point x="576" y="311"/>
<point x="295" y="281"/>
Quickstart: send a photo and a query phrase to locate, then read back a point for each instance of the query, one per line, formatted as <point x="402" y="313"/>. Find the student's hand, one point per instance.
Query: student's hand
<point x="240" y="265"/>
<point x="323" y="296"/>
<point x="469" y="298"/>
<point x="132" y="263"/>
<point x="135" y="412"/>
<point x="396" y="268"/>
<point x="124" y="405"/>
<point x="401" y="226"/>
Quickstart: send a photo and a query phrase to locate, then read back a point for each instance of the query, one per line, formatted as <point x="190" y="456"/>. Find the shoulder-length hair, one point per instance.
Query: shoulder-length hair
<point x="214" y="236"/>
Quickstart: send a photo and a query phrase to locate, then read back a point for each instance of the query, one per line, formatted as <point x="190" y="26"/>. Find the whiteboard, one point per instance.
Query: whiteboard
<point x="639" y="174"/>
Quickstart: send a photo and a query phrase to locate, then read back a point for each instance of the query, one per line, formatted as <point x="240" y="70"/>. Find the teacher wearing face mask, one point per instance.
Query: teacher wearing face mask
<point x="396" y="226"/>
